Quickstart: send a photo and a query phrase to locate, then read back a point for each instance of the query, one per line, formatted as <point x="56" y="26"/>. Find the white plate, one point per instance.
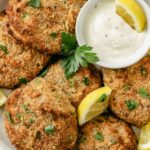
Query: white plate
<point x="4" y="141"/>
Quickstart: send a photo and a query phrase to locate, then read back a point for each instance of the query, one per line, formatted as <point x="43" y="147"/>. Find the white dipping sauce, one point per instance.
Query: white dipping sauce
<point x="109" y="35"/>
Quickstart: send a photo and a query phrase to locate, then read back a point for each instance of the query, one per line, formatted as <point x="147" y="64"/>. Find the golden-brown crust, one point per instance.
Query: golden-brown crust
<point x="20" y="60"/>
<point x="114" y="78"/>
<point x="117" y="135"/>
<point x="74" y="88"/>
<point x="126" y="88"/>
<point x="41" y="102"/>
<point x="34" y="26"/>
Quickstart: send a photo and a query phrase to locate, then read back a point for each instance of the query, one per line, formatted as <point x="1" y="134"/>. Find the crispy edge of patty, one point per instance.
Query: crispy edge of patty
<point x="114" y="134"/>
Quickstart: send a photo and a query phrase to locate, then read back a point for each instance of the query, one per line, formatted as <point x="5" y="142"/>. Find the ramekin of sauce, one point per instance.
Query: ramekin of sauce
<point x="116" y="43"/>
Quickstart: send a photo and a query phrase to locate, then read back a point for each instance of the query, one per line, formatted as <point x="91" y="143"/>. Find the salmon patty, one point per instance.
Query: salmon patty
<point x="130" y="99"/>
<point x="40" y="24"/>
<point x="78" y="86"/>
<point x="106" y="133"/>
<point x="39" y="117"/>
<point x="17" y="61"/>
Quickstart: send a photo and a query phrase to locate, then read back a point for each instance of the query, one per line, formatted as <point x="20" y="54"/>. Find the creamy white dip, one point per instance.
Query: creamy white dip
<point x="109" y="35"/>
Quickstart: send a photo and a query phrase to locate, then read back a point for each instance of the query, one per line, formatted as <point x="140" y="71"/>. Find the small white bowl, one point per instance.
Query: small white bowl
<point x="134" y="58"/>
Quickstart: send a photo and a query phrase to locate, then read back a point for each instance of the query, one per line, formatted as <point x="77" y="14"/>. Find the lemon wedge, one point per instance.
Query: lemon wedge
<point x="132" y="13"/>
<point x="144" y="142"/>
<point x="3" y="98"/>
<point x="93" y="104"/>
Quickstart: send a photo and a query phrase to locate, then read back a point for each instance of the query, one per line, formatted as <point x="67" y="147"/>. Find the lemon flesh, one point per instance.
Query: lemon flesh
<point x="93" y="105"/>
<point x="132" y="13"/>
<point x="144" y="142"/>
<point x="3" y="98"/>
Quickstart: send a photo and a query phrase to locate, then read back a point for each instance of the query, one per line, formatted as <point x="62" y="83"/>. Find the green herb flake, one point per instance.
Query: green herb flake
<point x="53" y="35"/>
<point x="99" y="136"/>
<point x="23" y="80"/>
<point x="49" y="129"/>
<point x="131" y="104"/>
<point x="8" y="116"/>
<point x="143" y="71"/>
<point x="102" y="98"/>
<point x="31" y="120"/>
<point x="43" y="72"/>
<point x="127" y="87"/>
<point x="4" y="49"/>
<point x="86" y="81"/>
<point x="143" y="92"/>
<point x="34" y="3"/>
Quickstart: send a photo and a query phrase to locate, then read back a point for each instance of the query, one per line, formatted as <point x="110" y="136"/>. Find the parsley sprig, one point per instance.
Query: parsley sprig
<point x="74" y="56"/>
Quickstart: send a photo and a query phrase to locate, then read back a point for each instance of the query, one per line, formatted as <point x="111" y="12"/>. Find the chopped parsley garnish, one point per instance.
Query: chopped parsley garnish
<point x="34" y="3"/>
<point x="23" y="80"/>
<point x="4" y="49"/>
<point x="8" y="116"/>
<point x="102" y="98"/>
<point x="99" y="136"/>
<point x="53" y="35"/>
<point x="49" y="129"/>
<point x="143" y="71"/>
<point x="86" y="80"/>
<point x="31" y="120"/>
<point x="131" y="104"/>
<point x="75" y="56"/>
<point x="144" y="93"/>
<point x="127" y="87"/>
<point x="43" y="72"/>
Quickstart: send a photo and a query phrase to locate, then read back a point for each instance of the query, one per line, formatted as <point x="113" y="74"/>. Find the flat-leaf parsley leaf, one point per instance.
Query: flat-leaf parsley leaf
<point x="69" y="43"/>
<point x="34" y="3"/>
